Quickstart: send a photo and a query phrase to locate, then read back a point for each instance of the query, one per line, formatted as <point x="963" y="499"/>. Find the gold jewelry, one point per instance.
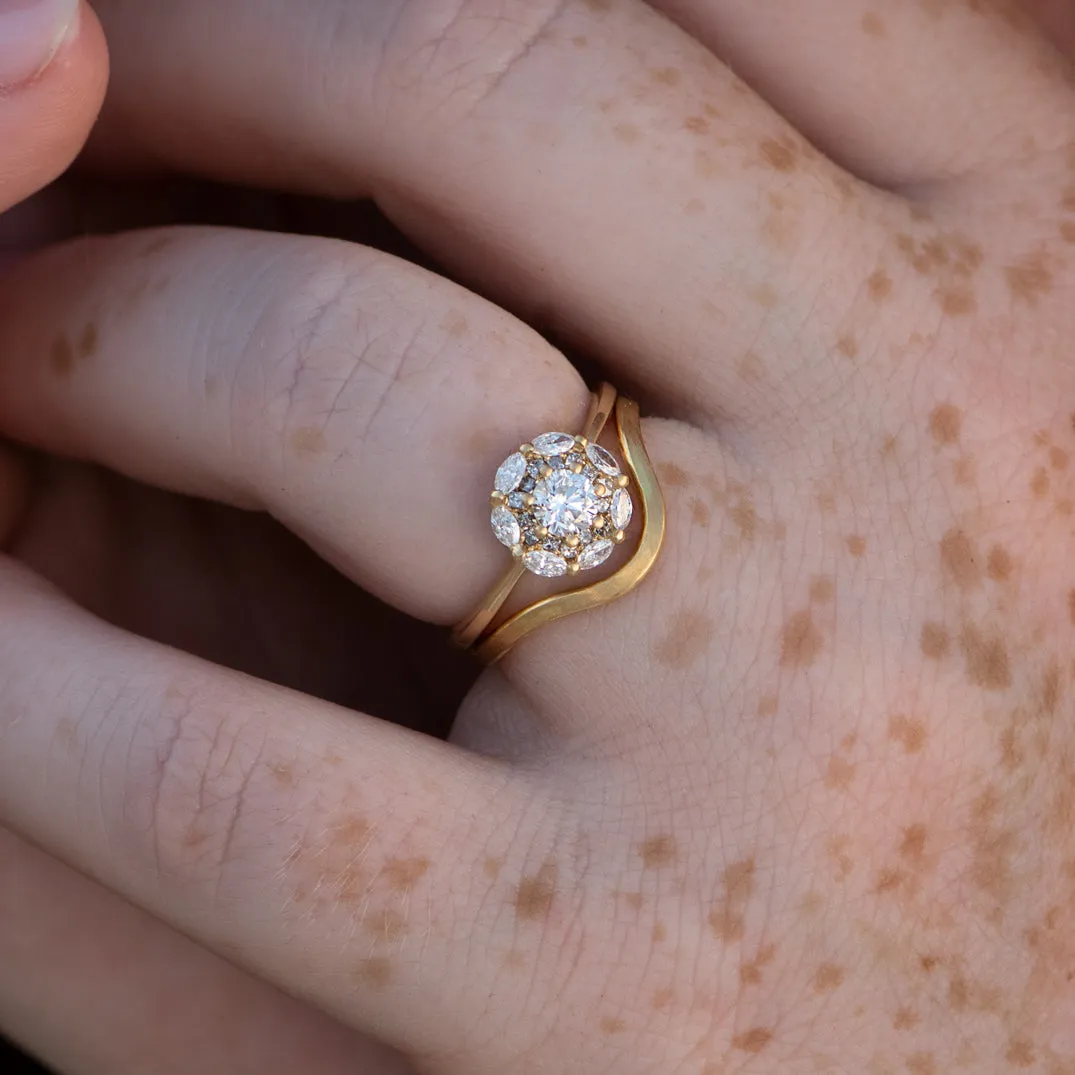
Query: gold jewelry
<point x="562" y="504"/>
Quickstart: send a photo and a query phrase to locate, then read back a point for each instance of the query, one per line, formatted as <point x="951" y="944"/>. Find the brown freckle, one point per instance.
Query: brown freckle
<point x="1011" y="753"/>
<point x="634" y="900"/>
<point x="768" y="705"/>
<point x="921" y="1064"/>
<point x="660" y="933"/>
<point x="62" y="356"/>
<point x="856" y="546"/>
<point x="308" y="441"/>
<point x="1051" y="689"/>
<point x="764" y="295"/>
<point x="696" y="125"/>
<point x="822" y="589"/>
<point x="658" y="852"/>
<point x="913" y="844"/>
<point x="945" y="423"/>
<point x="1020" y="1053"/>
<point x="686" y="640"/>
<point x="580" y="41"/>
<point x="672" y="475"/>
<point x="333" y="759"/>
<point x="986" y="659"/>
<point x="828" y="977"/>
<point x="627" y="132"/>
<point x="888" y="446"/>
<point x="1065" y="507"/>
<point x="1058" y="458"/>
<point x="376" y="973"/>
<point x="848" y="346"/>
<point x="779" y="155"/>
<point x="904" y="1019"/>
<point x="826" y="501"/>
<point x="667" y="76"/>
<point x="535" y="894"/>
<point x="744" y="517"/>
<point x="388" y="924"/>
<point x="491" y="867"/>
<point x="87" y="344"/>
<point x="454" y="323"/>
<point x="887" y="880"/>
<point x="929" y="963"/>
<point x="879" y="285"/>
<point x="751" y="973"/>
<point x="1067" y="231"/>
<point x="612" y="1026"/>
<point x="1029" y="279"/>
<point x="662" y="998"/>
<point x="955" y="301"/>
<point x="695" y="207"/>
<point x="700" y="513"/>
<point x="195" y="837"/>
<point x="963" y="471"/>
<point x="800" y="642"/>
<point x="959" y="560"/>
<point x="1039" y="484"/>
<point x="284" y="774"/>
<point x="838" y="774"/>
<point x="872" y="24"/>
<point x="909" y="733"/>
<point x="404" y="874"/>
<point x="934" y="640"/>
<point x="753" y="1040"/>
<point x="999" y="564"/>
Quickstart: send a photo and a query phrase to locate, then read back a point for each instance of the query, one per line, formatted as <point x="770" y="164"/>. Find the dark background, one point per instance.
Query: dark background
<point x="15" y="1063"/>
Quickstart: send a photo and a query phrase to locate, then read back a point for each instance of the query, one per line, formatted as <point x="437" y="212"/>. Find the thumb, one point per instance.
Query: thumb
<point x="53" y="69"/>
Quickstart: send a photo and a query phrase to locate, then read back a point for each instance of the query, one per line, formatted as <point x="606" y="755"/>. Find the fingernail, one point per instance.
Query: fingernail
<point x="31" y="33"/>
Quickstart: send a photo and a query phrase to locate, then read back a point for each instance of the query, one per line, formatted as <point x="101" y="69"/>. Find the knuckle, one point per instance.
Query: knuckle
<point x="203" y="764"/>
<point x="331" y="353"/>
<point x="455" y="53"/>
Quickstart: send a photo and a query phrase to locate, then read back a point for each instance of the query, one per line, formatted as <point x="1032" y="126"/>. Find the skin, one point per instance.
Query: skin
<point x="817" y="812"/>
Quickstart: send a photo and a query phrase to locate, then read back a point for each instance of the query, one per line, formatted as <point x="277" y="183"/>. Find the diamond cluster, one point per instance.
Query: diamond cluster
<point x="561" y="504"/>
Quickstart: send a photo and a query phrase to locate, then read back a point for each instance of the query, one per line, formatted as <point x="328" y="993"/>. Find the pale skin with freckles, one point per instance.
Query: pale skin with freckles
<point x="802" y="802"/>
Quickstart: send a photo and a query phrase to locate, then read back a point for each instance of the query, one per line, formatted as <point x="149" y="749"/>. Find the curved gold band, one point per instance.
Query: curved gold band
<point x="491" y="643"/>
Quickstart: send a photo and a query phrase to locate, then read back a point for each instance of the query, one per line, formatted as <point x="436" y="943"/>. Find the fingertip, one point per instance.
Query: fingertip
<point x="51" y="91"/>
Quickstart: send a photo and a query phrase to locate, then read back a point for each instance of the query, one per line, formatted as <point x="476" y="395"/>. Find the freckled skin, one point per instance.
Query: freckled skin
<point x="753" y="1041"/>
<point x="801" y="642"/>
<point x="686" y="640"/>
<point x="934" y="641"/>
<point x="658" y="852"/>
<point x="945" y="423"/>
<point x="879" y="286"/>
<point x="535" y="895"/>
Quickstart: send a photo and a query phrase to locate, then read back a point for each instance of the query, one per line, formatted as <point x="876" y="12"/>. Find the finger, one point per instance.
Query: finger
<point x="52" y="76"/>
<point x="587" y="162"/>
<point x="364" y="402"/>
<point x="335" y="855"/>
<point x="899" y="93"/>
<point x="90" y="984"/>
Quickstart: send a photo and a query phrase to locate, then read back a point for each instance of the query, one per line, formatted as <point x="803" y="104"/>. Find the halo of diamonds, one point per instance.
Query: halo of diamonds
<point x="561" y="505"/>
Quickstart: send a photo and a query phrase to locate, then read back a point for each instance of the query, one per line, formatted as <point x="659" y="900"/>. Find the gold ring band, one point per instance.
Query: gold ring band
<point x="488" y="642"/>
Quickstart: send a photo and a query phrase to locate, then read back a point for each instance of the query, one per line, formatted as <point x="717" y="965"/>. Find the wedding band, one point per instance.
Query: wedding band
<point x="562" y="504"/>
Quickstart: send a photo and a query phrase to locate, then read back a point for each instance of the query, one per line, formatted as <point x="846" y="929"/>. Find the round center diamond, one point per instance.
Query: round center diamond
<point x="566" y="503"/>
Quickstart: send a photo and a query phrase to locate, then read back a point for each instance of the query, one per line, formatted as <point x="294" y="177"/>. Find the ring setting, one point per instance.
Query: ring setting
<point x="561" y="504"/>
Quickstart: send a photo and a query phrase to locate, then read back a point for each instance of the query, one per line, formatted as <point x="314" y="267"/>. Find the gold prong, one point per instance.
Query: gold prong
<point x="619" y="537"/>
<point x="572" y="541"/>
<point x="581" y="441"/>
<point x="542" y="531"/>
<point x="517" y="551"/>
<point x="577" y="468"/>
<point x="600" y="489"/>
<point x="526" y="449"/>
<point x="529" y="500"/>
<point x="623" y="481"/>
<point x="573" y="568"/>
<point x="600" y="522"/>
<point x="546" y="471"/>
<point x="496" y="498"/>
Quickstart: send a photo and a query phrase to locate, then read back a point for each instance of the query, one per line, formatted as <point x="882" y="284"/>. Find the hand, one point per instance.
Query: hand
<point x="817" y="811"/>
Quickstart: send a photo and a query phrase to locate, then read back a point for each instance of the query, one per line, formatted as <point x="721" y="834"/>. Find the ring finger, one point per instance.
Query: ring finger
<point x="359" y="399"/>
